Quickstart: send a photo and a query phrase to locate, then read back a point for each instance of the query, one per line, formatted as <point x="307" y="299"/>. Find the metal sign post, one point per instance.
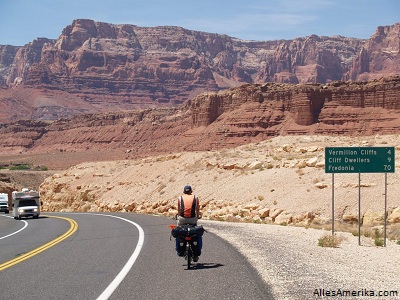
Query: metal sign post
<point x="385" y="217"/>
<point x="359" y="160"/>
<point x="359" y="209"/>
<point x="333" y="203"/>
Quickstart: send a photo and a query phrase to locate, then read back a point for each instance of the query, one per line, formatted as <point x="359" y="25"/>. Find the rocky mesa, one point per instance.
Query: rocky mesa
<point x="216" y="120"/>
<point x="99" y="67"/>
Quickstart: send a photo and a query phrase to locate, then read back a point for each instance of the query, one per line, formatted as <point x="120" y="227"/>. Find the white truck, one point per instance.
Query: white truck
<point x="26" y="203"/>
<point x="4" y="203"/>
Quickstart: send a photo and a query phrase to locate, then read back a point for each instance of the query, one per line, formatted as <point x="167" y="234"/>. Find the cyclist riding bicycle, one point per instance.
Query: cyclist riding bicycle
<point x="188" y="214"/>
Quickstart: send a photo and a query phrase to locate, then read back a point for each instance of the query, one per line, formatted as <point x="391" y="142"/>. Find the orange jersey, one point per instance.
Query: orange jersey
<point x="188" y="206"/>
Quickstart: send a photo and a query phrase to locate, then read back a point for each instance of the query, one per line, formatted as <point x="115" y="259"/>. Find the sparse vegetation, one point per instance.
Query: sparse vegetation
<point x="41" y="168"/>
<point x="20" y="167"/>
<point x="379" y="241"/>
<point x="375" y="234"/>
<point x="327" y="240"/>
<point x="23" y="167"/>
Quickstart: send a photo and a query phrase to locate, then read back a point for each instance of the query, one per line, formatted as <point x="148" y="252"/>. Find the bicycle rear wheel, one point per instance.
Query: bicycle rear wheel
<point x="189" y="257"/>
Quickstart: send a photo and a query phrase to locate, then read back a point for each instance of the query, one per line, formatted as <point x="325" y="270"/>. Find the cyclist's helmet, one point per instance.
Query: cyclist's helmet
<point x="187" y="189"/>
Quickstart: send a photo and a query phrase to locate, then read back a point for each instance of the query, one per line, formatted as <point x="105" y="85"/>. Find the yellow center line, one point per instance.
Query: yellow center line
<point x="72" y="229"/>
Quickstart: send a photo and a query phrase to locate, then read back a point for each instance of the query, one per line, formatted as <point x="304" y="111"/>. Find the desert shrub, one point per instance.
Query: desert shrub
<point x="379" y="241"/>
<point x="21" y="167"/>
<point x="330" y="241"/>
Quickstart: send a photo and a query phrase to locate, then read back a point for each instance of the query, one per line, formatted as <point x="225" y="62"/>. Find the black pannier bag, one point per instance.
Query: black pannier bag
<point x="187" y="231"/>
<point x="194" y="242"/>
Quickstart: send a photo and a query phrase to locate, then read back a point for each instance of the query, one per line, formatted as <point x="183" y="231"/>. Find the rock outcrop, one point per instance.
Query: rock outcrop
<point x="278" y="181"/>
<point x="248" y="113"/>
<point x="7" y="56"/>
<point x="106" y="67"/>
<point x="379" y="56"/>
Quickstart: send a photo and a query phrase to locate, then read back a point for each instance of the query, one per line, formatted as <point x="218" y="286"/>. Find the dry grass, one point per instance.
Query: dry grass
<point x="327" y="240"/>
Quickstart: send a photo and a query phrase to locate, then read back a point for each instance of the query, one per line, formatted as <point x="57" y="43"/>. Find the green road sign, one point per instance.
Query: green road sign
<point x="359" y="160"/>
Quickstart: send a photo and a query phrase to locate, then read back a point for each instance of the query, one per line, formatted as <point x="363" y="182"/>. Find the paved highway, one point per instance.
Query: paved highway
<point x="115" y="256"/>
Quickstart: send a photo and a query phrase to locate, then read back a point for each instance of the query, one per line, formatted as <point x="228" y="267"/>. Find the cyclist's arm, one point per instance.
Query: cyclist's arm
<point x="198" y="209"/>
<point x="179" y="207"/>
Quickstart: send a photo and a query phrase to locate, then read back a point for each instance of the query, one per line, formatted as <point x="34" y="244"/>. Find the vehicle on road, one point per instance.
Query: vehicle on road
<point x="4" y="203"/>
<point x="188" y="240"/>
<point x="26" y="203"/>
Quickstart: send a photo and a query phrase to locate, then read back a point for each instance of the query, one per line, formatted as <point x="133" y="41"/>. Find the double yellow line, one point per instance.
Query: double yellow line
<point x="72" y="229"/>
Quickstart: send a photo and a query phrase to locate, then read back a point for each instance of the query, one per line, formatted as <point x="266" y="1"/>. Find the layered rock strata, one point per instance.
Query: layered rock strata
<point x="108" y="67"/>
<point x="248" y="113"/>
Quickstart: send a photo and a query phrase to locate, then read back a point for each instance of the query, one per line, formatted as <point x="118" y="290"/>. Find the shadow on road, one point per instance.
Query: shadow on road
<point x="202" y="266"/>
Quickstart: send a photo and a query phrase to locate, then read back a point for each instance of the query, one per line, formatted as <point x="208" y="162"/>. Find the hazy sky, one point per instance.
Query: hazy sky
<point x="22" y="21"/>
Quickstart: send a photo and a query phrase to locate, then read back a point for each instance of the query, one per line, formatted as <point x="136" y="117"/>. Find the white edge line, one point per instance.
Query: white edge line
<point x="26" y="224"/>
<point x="129" y="264"/>
<point x="124" y="271"/>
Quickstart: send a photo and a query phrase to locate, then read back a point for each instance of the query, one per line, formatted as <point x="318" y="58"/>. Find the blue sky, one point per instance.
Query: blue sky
<point x="22" y="21"/>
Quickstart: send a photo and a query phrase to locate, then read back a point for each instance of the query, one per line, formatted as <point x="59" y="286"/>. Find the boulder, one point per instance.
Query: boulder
<point x="394" y="216"/>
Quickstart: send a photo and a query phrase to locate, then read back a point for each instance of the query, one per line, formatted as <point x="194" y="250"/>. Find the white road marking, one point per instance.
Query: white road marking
<point x="121" y="275"/>
<point x="26" y="225"/>
<point x="129" y="264"/>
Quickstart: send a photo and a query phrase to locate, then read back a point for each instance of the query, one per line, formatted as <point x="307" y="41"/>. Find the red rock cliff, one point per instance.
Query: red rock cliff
<point x="239" y="115"/>
<point x="100" y="67"/>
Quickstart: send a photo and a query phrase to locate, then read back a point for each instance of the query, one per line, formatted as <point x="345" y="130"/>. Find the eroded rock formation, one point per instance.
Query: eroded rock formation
<point x="248" y="113"/>
<point x="101" y="67"/>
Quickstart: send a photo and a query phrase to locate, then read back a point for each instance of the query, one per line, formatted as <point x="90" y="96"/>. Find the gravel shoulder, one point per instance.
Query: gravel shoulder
<point x="289" y="260"/>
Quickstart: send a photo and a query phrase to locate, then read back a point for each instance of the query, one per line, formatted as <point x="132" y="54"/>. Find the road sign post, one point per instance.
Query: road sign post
<point x="360" y="160"/>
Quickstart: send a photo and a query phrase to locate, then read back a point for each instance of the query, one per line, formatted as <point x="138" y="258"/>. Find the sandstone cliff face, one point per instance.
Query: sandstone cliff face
<point x="25" y="58"/>
<point x="380" y="56"/>
<point x="7" y="55"/>
<point x="248" y="113"/>
<point x="95" y="51"/>
<point x="325" y="107"/>
<point x="111" y="67"/>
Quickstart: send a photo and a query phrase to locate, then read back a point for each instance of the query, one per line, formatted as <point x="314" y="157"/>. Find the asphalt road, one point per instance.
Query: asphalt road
<point x="109" y="256"/>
